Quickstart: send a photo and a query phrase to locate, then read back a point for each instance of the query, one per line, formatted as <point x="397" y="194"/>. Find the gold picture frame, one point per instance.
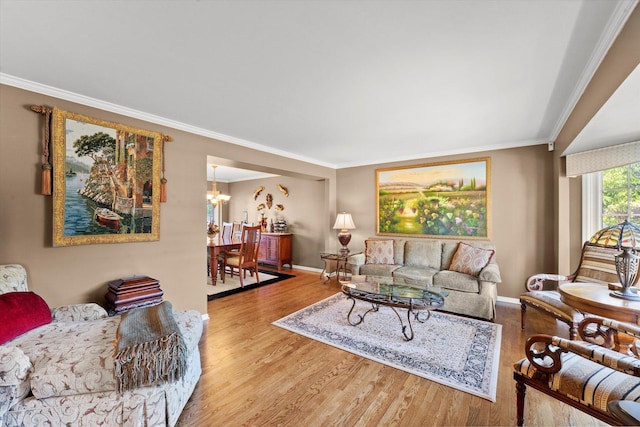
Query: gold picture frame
<point x="441" y="200"/>
<point x="106" y="181"/>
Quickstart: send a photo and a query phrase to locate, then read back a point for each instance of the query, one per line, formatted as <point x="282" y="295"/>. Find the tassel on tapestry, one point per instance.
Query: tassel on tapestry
<point x="163" y="180"/>
<point x="46" y="166"/>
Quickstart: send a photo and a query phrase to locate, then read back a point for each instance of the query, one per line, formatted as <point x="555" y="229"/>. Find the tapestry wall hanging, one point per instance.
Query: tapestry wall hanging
<point x="106" y="181"/>
<point x="449" y="199"/>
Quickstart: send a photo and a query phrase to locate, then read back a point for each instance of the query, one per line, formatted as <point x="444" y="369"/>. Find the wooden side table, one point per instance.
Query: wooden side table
<point x="335" y="263"/>
<point x="595" y="299"/>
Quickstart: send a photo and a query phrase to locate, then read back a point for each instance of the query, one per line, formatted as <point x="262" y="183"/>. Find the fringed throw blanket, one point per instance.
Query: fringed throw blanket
<point x="150" y="349"/>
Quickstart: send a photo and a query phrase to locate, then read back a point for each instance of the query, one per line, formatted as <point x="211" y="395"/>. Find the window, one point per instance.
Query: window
<point x="621" y="195"/>
<point x="609" y="197"/>
<point x="211" y="214"/>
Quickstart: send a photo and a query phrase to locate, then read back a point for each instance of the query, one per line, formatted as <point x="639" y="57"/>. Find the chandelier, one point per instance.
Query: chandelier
<point x="215" y="196"/>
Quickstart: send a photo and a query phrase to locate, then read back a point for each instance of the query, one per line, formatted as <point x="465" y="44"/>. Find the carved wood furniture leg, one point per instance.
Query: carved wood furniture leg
<point x="573" y="331"/>
<point x="214" y="266"/>
<point x="624" y="343"/>
<point x="521" y="391"/>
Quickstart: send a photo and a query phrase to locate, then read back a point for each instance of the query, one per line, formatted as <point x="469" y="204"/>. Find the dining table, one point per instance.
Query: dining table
<point x="217" y="245"/>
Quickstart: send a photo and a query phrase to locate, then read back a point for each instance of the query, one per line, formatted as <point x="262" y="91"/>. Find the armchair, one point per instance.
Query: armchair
<point x="586" y="375"/>
<point x="597" y="265"/>
<point x="57" y="365"/>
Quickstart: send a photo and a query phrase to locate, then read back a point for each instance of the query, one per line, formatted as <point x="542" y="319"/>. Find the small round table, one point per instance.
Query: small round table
<point x="595" y="299"/>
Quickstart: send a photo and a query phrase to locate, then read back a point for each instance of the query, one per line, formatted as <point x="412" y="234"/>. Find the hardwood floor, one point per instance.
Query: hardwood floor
<point x="256" y="374"/>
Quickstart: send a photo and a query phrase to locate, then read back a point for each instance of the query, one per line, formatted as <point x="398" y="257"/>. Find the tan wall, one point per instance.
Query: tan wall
<point x="67" y="275"/>
<point x="303" y="211"/>
<point x="521" y="203"/>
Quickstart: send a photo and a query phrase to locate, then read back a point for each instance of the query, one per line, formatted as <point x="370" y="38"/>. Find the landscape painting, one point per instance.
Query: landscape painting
<point x="106" y="181"/>
<point x="434" y="200"/>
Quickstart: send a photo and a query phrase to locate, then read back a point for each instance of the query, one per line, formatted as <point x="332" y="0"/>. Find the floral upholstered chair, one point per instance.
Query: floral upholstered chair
<point x="587" y="375"/>
<point x="57" y="365"/>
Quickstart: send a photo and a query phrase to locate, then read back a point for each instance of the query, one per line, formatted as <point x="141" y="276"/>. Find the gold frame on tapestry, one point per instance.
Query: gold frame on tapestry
<point x="61" y="143"/>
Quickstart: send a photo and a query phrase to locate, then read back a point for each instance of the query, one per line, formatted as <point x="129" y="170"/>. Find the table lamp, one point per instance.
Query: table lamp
<point x="344" y="223"/>
<point x="624" y="236"/>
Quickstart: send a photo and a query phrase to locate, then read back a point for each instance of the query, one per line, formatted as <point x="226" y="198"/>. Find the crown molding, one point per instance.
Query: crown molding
<point x="43" y="89"/>
<point x="432" y="154"/>
<point x="151" y="118"/>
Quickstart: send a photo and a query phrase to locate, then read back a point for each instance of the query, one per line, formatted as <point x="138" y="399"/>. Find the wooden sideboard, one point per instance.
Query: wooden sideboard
<point x="275" y="249"/>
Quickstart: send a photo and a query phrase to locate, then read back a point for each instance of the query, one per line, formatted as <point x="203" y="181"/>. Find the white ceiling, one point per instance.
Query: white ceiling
<point x="335" y="83"/>
<point x="617" y="122"/>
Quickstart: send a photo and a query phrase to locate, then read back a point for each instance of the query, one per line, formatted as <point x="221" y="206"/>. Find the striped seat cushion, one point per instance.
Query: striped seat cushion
<point x="550" y="302"/>
<point x="587" y="382"/>
<point x="598" y="265"/>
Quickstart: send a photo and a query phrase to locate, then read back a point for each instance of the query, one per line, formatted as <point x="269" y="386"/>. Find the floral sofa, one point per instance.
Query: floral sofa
<point x="59" y="369"/>
<point x="469" y="272"/>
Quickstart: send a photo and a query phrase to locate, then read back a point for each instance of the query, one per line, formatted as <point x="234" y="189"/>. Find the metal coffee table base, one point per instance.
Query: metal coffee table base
<point x="359" y="318"/>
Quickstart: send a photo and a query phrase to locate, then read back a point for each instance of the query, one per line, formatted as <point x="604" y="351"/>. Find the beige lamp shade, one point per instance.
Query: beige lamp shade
<point x="344" y="222"/>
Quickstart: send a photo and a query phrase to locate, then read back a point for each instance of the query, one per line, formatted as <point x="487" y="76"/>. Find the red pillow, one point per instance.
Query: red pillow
<point x="21" y="312"/>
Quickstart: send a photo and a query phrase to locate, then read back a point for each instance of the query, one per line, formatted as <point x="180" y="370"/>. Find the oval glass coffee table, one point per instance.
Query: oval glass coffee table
<point x="411" y="295"/>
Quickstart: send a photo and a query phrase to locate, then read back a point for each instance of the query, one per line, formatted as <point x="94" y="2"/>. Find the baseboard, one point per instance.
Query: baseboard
<point x="305" y="268"/>
<point x="509" y="300"/>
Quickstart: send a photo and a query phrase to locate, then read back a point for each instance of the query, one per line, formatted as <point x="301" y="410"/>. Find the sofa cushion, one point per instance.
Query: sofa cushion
<point x="398" y="249"/>
<point x="72" y="358"/>
<point x="14" y="376"/>
<point x="456" y="281"/>
<point x="14" y="365"/>
<point x="423" y="253"/>
<point x="378" y="269"/>
<point x="379" y="251"/>
<point x="598" y="265"/>
<point x="470" y="260"/>
<point x="21" y="312"/>
<point x="450" y="248"/>
<point x="421" y="274"/>
<point x="13" y="278"/>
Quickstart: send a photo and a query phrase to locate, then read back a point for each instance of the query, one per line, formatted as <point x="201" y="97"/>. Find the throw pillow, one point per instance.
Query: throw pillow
<point x="379" y="251"/>
<point x="470" y="260"/>
<point x="21" y="312"/>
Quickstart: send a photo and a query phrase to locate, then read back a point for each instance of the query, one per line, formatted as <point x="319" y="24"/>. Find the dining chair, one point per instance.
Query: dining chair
<point x="247" y="256"/>
<point x="236" y="231"/>
<point x="227" y="228"/>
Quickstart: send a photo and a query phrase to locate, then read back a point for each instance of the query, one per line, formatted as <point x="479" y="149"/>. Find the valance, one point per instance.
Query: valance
<point x="603" y="158"/>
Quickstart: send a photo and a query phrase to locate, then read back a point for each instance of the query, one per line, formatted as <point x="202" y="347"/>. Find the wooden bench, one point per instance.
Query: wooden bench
<point x="597" y="265"/>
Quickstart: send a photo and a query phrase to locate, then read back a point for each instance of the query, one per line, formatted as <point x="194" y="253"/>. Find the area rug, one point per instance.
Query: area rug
<point x="456" y="351"/>
<point x="231" y="285"/>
